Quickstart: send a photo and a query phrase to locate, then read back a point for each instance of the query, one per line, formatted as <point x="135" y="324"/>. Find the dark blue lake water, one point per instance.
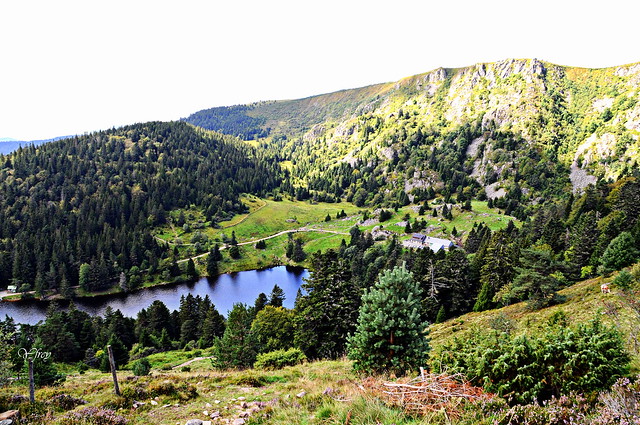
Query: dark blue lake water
<point x="224" y="291"/>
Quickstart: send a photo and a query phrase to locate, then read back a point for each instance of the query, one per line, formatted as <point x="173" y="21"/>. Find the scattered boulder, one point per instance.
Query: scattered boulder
<point x="194" y="422"/>
<point x="153" y="403"/>
<point x="12" y="415"/>
<point x="238" y="421"/>
<point x="301" y="394"/>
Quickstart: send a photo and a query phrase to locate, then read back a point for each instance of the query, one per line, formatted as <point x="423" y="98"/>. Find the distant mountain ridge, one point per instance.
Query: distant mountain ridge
<point x="8" y="145"/>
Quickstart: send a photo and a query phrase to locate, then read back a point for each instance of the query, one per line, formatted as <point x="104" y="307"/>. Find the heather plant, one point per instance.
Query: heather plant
<point x="620" y="405"/>
<point x="93" y="416"/>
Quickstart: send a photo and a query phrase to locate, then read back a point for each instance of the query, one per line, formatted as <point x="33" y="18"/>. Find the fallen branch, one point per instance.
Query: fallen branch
<point x="430" y="393"/>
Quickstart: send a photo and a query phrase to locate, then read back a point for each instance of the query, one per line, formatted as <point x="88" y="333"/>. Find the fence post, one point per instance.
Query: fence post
<point x="112" y="363"/>
<point x="32" y="383"/>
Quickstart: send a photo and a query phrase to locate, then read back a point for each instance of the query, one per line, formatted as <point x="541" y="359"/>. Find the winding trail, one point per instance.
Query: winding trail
<point x="197" y="359"/>
<point x="284" y="232"/>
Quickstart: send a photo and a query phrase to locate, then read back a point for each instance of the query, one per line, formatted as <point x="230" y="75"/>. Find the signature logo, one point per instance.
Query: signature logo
<point x="33" y="354"/>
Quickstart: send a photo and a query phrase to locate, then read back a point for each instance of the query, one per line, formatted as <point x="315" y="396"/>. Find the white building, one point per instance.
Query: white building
<point x="418" y="240"/>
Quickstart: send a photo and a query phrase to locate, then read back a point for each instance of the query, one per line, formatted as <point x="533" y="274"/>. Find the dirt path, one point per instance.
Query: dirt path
<point x="284" y="232"/>
<point x="247" y="216"/>
<point x="191" y="361"/>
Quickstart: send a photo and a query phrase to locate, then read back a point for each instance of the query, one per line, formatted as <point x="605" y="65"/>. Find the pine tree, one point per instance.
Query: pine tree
<point x="442" y="315"/>
<point x="620" y="253"/>
<point x="497" y="270"/>
<point x="328" y="310"/>
<point x="535" y="280"/>
<point x="407" y="228"/>
<point x="191" y="269"/>
<point x="276" y="298"/>
<point x="234" y="252"/>
<point x="391" y="335"/>
<point x="212" y="327"/>
<point x="215" y="253"/>
<point x="260" y="303"/>
<point x="165" y="341"/>
<point x="237" y="347"/>
<point x="212" y="264"/>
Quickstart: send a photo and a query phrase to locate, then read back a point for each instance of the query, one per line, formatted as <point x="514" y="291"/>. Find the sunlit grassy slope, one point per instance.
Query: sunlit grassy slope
<point x="307" y="221"/>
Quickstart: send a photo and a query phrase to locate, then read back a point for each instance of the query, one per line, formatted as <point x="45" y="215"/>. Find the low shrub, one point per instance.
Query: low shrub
<point x="279" y="359"/>
<point x="180" y="390"/>
<point x="586" y="358"/>
<point x="65" y="402"/>
<point x="141" y="367"/>
<point x="92" y="416"/>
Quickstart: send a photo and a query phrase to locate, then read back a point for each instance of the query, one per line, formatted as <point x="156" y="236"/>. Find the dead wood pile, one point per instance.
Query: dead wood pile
<point x="429" y="393"/>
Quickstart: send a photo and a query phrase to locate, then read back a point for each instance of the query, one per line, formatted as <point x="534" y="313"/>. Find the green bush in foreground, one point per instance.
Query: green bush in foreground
<point x="279" y="359"/>
<point x="586" y="358"/>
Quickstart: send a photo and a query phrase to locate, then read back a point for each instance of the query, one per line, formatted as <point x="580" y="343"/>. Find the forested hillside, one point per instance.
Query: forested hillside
<point x="515" y="129"/>
<point x="93" y="200"/>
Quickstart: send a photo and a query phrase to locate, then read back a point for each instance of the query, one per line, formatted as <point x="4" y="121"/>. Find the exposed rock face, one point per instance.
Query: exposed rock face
<point x="432" y="81"/>
<point x="580" y="179"/>
<point x="315" y="132"/>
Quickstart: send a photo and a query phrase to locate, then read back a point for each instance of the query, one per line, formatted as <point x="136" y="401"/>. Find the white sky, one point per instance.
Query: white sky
<point x="67" y="67"/>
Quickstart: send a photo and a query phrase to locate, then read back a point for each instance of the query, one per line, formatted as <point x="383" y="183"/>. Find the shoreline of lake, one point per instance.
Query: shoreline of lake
<point x="224" y="290"/>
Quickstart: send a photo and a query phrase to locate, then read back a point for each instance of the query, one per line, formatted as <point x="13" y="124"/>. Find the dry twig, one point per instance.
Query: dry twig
<point x="430" y="393"/>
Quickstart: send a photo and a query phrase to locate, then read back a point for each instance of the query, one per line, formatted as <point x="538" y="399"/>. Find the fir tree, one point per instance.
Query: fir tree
<point x="237" y="347"/>
<point x="276" y="298"/>
<point x="212" y="264"/>
<point x="390" y="336"/>
<point x="234" y="252"/>
<point x="212" y="327"/>
<point x="215" y="253"/>
<point x="442" y="315"/>
<point x="191" y="269"/>
<point x="260" y="303"/>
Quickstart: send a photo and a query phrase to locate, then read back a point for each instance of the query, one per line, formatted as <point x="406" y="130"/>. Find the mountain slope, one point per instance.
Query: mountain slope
<point x="94" y="199"/>
<point x="586" y="121"/>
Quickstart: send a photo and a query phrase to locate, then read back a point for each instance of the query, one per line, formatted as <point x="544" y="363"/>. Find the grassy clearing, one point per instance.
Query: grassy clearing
<point x="267" y="218"/>
<point x="324" y="392"/>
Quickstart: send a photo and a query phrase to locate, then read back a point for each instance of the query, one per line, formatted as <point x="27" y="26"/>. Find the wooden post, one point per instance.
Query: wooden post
<point x="32" y="383"/>
<point x="112" y="363"/>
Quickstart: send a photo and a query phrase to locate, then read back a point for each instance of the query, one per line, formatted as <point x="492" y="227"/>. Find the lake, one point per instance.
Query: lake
<point x="224" y="291"/>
